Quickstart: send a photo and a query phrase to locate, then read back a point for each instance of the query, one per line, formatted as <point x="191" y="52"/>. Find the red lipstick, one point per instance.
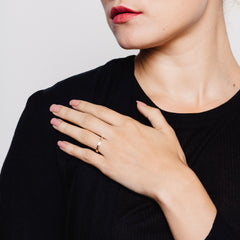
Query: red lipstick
<point x="122" y="14"/>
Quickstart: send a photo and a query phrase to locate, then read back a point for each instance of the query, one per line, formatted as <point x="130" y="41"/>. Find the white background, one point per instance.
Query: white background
<point x="43" y="42"/>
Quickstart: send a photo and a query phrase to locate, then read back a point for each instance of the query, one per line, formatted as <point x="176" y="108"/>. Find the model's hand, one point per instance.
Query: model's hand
<point x="142" y="158"/>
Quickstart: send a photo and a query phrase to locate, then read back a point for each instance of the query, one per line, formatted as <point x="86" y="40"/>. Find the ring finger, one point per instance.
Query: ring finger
<point x="82" y="135"/>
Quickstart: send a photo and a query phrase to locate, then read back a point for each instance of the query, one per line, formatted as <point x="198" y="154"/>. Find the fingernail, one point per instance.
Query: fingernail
<point x="55" y="122"/>
<point x="74" y="102"/>
<point x="55" y="108"/>
<point x="141" y="103"/>
<point x="61" y="144"/>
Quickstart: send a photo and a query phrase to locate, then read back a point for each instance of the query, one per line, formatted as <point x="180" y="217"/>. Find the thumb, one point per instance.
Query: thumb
<point x="153" y="114"/>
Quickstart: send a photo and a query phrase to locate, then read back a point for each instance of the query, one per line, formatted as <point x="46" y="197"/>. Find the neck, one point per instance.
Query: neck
<point x="196" y="67"/>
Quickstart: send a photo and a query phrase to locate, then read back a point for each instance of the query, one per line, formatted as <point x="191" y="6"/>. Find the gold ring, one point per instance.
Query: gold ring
<point x="98" y="145"/>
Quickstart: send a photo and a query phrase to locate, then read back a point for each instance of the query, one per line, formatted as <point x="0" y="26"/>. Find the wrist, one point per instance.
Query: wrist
<point x="187" y="207"/>
<point x="186" y="192"/>
<point x="181" y="184"/>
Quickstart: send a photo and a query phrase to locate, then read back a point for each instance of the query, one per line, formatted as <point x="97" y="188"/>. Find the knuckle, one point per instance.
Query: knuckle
<point x="71" y="150"/>
<point x="63" y="127"/>
<point x="156" y="111"/>
<point x="104" y="168"/>
<point x="101" y="110"/>
<point x="82" y="135"/>
<point x="87" y="154"/>
<point x="104" y="109"/>
<point x="81" y="105"/>
<point x="64" y="112"/>
<point x="170" y="129"/>
<point x="86" y="118"/>
<point x="127" y="122"/>
<point x="170" y="132"/>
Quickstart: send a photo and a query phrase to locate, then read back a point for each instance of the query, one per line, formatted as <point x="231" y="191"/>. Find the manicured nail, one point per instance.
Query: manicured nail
<point x="74" y="102"/>
<point x="141" y="103"/>
<point x="55" y="122"/>
<point x="55" y="108"/>
<point x="62" y="144"/>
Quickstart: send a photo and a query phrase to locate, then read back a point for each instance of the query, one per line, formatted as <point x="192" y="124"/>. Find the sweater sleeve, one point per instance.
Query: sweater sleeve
<point x="221" y="230"/>
<point x="31" y="191"/>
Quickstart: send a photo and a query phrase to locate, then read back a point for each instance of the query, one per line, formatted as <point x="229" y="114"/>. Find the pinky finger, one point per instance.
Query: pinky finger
<point x="84" y="154"/>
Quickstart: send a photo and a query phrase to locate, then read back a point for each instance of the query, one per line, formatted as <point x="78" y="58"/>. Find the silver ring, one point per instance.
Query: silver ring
<point x="98" y="145"/>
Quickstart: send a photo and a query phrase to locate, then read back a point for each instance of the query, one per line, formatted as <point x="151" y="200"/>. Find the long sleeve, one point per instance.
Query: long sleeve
<point x="31" y="191"/>
<point x="48" y="194"/>
<point x="221" y="230"/>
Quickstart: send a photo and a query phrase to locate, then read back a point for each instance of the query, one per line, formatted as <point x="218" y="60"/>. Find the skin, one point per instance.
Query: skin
<point x="185" y="64"/>
<point x="178" y="40"/>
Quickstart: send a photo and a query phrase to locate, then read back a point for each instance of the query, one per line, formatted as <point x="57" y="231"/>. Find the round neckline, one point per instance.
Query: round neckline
<point x="205" y="116"/>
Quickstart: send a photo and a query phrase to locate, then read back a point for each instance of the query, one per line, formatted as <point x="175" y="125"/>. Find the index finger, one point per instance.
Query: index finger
<point x="106" y="114"/>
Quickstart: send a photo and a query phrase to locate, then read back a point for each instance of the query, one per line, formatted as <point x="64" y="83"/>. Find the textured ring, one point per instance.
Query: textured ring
<point x="98" y="145"/>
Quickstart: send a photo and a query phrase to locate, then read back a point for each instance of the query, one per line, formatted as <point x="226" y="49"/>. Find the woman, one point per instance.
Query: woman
<point x="166" y="167"/>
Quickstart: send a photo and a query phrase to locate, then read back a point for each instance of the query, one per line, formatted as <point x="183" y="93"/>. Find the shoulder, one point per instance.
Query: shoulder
<point x="84" y="85"/>
<point x="89" y="79"/>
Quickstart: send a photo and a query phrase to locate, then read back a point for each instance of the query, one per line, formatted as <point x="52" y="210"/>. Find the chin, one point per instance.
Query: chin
<point x="132" y="46"/>
<point x="129" y="45"/>
<point x="133" y="42"/>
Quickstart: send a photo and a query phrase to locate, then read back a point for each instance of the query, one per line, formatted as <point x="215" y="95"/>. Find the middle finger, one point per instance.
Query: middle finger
<point x="84" y="120"/>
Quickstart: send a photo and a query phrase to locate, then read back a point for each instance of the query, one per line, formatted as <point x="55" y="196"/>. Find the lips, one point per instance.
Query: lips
<point x="122" y="10"/>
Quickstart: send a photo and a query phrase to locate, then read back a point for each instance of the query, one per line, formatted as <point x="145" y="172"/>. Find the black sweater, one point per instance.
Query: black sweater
<point x="47" y="194"/>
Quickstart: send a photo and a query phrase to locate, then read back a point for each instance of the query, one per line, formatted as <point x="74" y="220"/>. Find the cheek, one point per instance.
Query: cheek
<point x="159" y="24"/>
<point x="176" y="10"/>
